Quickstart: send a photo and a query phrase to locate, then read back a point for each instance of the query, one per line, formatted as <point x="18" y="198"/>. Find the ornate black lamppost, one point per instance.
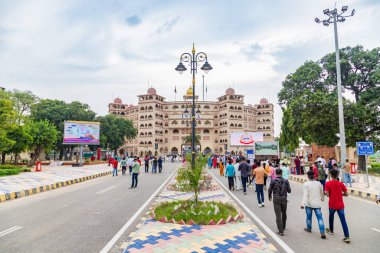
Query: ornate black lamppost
<point x="192" y="60"/>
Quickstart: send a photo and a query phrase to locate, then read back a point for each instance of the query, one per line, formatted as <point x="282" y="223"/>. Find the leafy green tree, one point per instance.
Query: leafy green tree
<point x="44" y="135"/>
<point x="22" y="140"/>
<point x="188" y="139"/>
<point x="23" y="101"/>
<point x="114" y="131"/>
<point x="7" y="116"/>
<point x="360" y="69"/>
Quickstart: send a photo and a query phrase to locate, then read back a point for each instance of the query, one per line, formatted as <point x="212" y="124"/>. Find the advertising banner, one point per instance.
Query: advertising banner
<point x="245" y="139"/>
<point x="270" y="148"/>
<point x="81" y="132"/>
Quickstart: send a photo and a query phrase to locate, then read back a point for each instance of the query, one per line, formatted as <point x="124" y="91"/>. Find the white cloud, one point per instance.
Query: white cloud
<point x="86" y="50"/>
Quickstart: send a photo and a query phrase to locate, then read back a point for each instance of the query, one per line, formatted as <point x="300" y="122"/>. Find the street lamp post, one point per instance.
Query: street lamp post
<point x="333" y="17"/>
<point x="192" y="60"/>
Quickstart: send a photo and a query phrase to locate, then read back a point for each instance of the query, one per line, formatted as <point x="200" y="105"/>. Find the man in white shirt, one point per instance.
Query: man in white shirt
<point x="312" y="201"/>
<point x="238" y="176"/>
<point x="130" y="163"/>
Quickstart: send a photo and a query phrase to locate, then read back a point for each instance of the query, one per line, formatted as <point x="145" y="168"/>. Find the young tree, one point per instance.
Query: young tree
<point x="44" y="135"/>
<point x="23" y="101"/>
<point x="7" y="116"/>
<point x="22" y="141"/>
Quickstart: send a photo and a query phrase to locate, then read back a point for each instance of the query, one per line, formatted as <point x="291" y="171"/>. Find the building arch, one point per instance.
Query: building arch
<point x="174" y="151"/>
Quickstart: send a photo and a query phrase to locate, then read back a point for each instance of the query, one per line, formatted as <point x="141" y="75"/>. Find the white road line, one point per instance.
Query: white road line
<point x="116" y="237"/>
<point x="375" y="229"/>
<point x="10" y="230"/>
<point x="257" y="219"/>
<point x="105" y="190"/>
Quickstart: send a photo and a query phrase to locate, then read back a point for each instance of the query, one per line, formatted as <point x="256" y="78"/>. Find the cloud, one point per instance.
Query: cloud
<point x="133" y="20"/>
<point x="167" y="26"/>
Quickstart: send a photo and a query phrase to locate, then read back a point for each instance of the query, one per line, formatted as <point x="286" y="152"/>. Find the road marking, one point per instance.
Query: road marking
<point x="10" y="230"/>
<point x="257" y="219"/>
<point x="117" y="236"/>
<point x="375" y="229"/>
<point x="105" y="190"/>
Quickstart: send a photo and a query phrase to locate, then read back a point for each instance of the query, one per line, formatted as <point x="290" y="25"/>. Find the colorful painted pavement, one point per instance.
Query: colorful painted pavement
<point x="50" y="175"/>
<point x="158" y="237"/>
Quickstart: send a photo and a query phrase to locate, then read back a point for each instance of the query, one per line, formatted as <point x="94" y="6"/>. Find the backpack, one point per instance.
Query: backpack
<point x="280" y="187"/>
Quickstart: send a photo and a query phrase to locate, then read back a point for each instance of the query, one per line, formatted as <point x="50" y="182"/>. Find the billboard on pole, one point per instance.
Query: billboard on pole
<point x="245" y="138"/>
<point x="267" y="148"/>
<point x="81" y="132"/>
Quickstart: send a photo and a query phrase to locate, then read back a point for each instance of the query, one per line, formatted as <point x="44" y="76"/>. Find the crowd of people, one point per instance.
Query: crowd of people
<point x="134" y="163"/>
<point x="323" y="180"/>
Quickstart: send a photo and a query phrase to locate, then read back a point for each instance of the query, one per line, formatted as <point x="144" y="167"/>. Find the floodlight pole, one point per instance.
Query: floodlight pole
<point x="333" y="18"/>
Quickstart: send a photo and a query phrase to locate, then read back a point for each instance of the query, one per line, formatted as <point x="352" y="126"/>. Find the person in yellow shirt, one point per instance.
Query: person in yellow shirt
<point x="259" y="174"/>
<point x="221" y="168"/>
<point x="267" y="172"/>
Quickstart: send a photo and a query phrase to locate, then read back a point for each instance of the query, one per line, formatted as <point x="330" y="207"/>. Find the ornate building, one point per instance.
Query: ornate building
<point x="163" y="125"/>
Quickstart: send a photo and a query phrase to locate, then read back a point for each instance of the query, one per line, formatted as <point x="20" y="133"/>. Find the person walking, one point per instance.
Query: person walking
<point x="123" y="164"/>
<point x="115" y="163"/>
<point x="313" y="196"/>
<point x="237" y="175"/>
<point x="146" y="163"/>
<point x="221" y="168"/>
<point x="280" y="188"/>
<point x="285" y="171"/>
<point x="267" y="172"/>
<point x="130" y="163"/>
<point x="335" y="190"/>
<point x="259" y="174"/>
<point x="322" y="176"/>
<point x="230" y="173"/>
<point x="244" y="169"/>
<point x="209" y="162"/>
<point x="159" y="161"/>
<point x="347" y="174"/>
<point x="214" y="164"/>
<point x="135" y="173"/>
<point x="154" y="165"/>
<point x="297" y="163"/>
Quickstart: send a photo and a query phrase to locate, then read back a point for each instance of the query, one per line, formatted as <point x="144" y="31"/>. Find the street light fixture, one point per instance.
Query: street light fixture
<point x="333" y="17"/>
<point x="192" y="60"/>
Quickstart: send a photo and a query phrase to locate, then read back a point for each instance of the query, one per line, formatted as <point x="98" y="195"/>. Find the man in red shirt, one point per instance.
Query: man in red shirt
<point x="315" y="170"/>
<point x="297" y="162"/>
<point x="335" y="190"/>
<point x="115" y="163"/>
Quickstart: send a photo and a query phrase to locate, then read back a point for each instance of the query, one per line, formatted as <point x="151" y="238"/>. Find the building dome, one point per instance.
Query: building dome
<point x="230" y="91"/>
<point x="263" y="101"/>
<point x="189" y="92"/>
<point x="118" y="101"/>
<point x="152" y="91"/>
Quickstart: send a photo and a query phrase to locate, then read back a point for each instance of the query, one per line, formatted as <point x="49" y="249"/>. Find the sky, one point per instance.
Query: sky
<point x="96" y="50"/>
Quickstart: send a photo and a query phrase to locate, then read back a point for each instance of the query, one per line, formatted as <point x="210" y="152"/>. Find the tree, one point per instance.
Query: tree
<point x="114" y="131"/>
<point x="44" y="135"/>
<point x="22" y="141"/>
<point x="23" y="101"/>
<point x="7" y="116"/>
<point x="309" y="100"/>
<point x="360" y="69"/>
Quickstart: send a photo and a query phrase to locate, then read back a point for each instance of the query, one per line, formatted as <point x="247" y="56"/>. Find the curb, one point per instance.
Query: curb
<point x="354" y="192"/>
<point x="27" y="192"/>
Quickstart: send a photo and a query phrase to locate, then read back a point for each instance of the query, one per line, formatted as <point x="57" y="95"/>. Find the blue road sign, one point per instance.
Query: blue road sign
<point x="365" y="148"/>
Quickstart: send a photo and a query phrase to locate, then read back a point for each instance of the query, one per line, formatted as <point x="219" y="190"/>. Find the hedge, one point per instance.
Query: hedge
<point x="11" y="167"/>
<point x="9" y="172"/>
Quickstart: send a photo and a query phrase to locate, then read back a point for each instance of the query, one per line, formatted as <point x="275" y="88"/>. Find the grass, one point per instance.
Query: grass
<point x="200" y="214"/>
<point x="9" y="170"/>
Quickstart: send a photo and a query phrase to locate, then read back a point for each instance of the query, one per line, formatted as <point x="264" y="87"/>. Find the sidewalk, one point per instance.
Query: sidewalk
<point x="51" y="177"/>
<point x="359" y="186"/>
<point x="155" y="236"/>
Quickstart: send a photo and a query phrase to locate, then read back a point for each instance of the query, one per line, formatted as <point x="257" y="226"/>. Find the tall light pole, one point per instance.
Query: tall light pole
<point x="333" y="17"/>
<point x="192" y="60"/>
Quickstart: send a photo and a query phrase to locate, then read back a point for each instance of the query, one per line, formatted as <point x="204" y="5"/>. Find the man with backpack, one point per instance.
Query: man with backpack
<point x="280" y="188"/>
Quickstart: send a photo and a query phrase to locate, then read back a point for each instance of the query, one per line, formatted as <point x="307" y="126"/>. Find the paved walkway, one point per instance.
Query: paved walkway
<point x="155" y="236"/>
<point x="52" y="176"/>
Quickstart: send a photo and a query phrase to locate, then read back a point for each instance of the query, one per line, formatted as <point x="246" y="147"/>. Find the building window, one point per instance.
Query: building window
<point x="175" y="131"/>
<point x="206" y="131"/>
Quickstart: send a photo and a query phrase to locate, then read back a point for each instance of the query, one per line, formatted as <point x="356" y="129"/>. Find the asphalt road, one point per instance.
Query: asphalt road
<point x="363" y="219"/>
<point x="77" y="218"/>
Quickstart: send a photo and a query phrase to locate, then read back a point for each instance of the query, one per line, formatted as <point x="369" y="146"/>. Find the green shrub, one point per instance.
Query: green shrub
<point x="9" y="172"/>
<point x="201" y="214"/>
<point x="374" y="170"/>
<point x="10" y="167"/>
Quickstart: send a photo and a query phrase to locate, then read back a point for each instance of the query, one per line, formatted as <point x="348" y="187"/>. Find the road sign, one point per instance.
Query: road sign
<point x="250" y="154"/>
<point x="365" y="148"/>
